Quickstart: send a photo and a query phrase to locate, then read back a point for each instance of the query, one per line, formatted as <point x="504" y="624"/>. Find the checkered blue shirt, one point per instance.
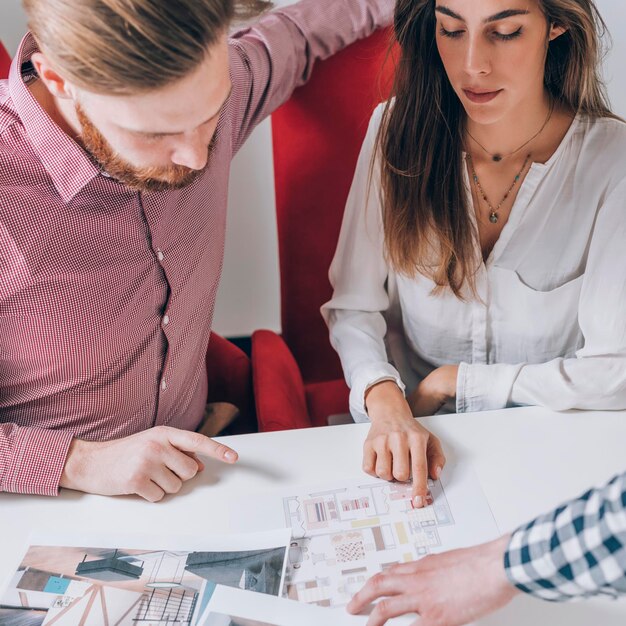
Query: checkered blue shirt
<point x="577" y="550"/>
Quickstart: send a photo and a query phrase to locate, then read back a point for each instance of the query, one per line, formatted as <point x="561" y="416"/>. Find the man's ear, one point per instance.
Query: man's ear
<point x="555" y="32"/>
<point x="53" y="81"/>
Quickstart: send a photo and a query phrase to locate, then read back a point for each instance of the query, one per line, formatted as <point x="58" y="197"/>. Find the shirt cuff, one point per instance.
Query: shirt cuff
<point x="530" y="566"/>
<point x="362" y="379"/>
<point x="36" y="461"/>
<point x="481" y="387"/>
<point x="574" y="551"/>
<point x="526" y="567"/>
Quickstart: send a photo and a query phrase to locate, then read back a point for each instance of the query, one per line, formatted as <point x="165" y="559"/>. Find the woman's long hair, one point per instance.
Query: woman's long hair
<point x="426" y="219"/>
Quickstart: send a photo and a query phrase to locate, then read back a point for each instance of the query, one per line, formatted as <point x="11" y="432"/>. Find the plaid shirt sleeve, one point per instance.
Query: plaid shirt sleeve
<point x="578" y="550"/>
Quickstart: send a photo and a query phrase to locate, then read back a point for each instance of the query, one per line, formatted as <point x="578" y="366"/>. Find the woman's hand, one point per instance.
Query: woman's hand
<point x="434" y="391"/>
<point x="447" y="589"/>
<point x="397" y="446"/>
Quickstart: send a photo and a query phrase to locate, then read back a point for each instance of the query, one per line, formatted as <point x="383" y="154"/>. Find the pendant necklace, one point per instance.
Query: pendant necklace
<point x="497" y="157"/>
<point x="493" y="211"/>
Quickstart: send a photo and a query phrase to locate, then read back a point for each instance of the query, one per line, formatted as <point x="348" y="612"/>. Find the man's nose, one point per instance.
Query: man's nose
<point x="192" y="153"/>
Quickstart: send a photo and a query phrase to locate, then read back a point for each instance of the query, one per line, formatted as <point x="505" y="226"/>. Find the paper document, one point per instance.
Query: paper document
<point x="234" y="607"/>
<point x="128" y="581"/>
<point x="343" y="533"/>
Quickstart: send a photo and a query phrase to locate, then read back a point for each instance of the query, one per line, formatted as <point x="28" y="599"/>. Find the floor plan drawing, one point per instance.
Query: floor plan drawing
<point x="344" y="533"/>
<point x="341" y="537"/>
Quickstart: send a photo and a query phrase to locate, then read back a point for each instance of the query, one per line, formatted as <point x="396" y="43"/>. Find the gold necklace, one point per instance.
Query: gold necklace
<point x="497" y="157"/>
<point x="493" y="212"/>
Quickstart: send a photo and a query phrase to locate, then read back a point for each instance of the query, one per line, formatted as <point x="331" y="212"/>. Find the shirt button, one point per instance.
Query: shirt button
<point x="166" y="320"/>
<point x="163" y="385"/>
<point x="160" y="255"/>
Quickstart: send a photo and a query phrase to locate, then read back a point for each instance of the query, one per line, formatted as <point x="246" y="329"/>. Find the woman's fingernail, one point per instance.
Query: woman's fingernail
<point x="418" y="502"/>
<point x="437" y="472"/>
<point x="229" y="455"/>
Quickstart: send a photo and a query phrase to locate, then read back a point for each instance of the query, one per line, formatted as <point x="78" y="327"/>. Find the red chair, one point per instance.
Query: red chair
<point x="5" y="62"/>
<point x="229" y="375"/>
<point x="229" y="370"/>
<point x="317" y="137"/>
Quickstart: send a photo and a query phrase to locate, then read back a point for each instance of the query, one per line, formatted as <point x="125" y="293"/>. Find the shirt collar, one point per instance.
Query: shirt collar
<point x="67" y="163"/>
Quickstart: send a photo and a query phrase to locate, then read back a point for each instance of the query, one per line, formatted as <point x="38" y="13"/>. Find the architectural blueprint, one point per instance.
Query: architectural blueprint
<point x="342" y="534"/>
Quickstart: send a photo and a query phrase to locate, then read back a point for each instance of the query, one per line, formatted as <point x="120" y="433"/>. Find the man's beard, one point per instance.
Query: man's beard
<point x="137" y="178"/>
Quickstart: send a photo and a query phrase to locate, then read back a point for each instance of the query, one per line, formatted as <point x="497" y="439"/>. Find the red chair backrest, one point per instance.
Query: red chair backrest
<point x="317" y="136"/>
<point x="5" y="62"/>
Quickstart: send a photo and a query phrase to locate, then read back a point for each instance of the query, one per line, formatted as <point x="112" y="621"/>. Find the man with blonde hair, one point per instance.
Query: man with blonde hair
<point x="118" y="124"/>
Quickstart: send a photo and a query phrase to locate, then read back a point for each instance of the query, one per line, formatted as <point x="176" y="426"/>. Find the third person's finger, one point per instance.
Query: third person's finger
<point x="389" y="608"/>
<point x="376" y="587"/>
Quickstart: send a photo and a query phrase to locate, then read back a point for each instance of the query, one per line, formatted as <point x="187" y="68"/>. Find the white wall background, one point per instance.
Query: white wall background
<point x="12" y="24"/>
<point x="248" y="297"/>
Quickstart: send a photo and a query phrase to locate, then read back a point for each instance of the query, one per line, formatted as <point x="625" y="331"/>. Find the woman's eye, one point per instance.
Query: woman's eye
<point x="453" y="34"/>
<point x="508" y="36"/>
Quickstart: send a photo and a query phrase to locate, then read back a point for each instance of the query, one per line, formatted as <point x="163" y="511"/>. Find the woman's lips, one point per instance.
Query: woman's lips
<point x="481" y="97"/>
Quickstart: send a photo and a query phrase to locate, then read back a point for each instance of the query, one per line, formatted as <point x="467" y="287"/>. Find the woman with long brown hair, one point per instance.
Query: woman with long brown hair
<point x="481" y="262"/>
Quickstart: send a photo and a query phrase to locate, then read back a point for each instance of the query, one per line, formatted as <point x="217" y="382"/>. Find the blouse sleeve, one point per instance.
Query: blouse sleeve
<point x="359" y="275"/>
<point x="596" y="377"/>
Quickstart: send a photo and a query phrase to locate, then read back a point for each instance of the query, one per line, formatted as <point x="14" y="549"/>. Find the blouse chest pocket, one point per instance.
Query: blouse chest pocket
<point x="530" y="325"/>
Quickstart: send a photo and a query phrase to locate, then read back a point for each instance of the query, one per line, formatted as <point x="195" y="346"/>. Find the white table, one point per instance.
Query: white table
<point x="528" y="460"/>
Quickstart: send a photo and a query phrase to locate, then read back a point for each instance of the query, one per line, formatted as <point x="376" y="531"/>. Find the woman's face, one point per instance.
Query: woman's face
<point x="494" y="53"/>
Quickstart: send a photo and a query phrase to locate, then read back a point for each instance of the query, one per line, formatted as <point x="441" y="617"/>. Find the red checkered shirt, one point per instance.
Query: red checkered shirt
<point x="107" y="295"/>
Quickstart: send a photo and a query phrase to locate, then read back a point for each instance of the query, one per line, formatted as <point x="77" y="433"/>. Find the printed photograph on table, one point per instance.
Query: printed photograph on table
<point x="67" y="585"/>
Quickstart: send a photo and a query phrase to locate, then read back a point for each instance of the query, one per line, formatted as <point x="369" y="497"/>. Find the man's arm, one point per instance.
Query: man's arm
<point x="32" y="459"/>
<point x="276" y="55"/>
<point x="578" y="550"/>
<point x="151" y="463"/>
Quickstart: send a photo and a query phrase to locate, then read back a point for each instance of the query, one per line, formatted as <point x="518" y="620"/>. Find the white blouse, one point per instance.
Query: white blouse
<point x="549" y="327"/>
